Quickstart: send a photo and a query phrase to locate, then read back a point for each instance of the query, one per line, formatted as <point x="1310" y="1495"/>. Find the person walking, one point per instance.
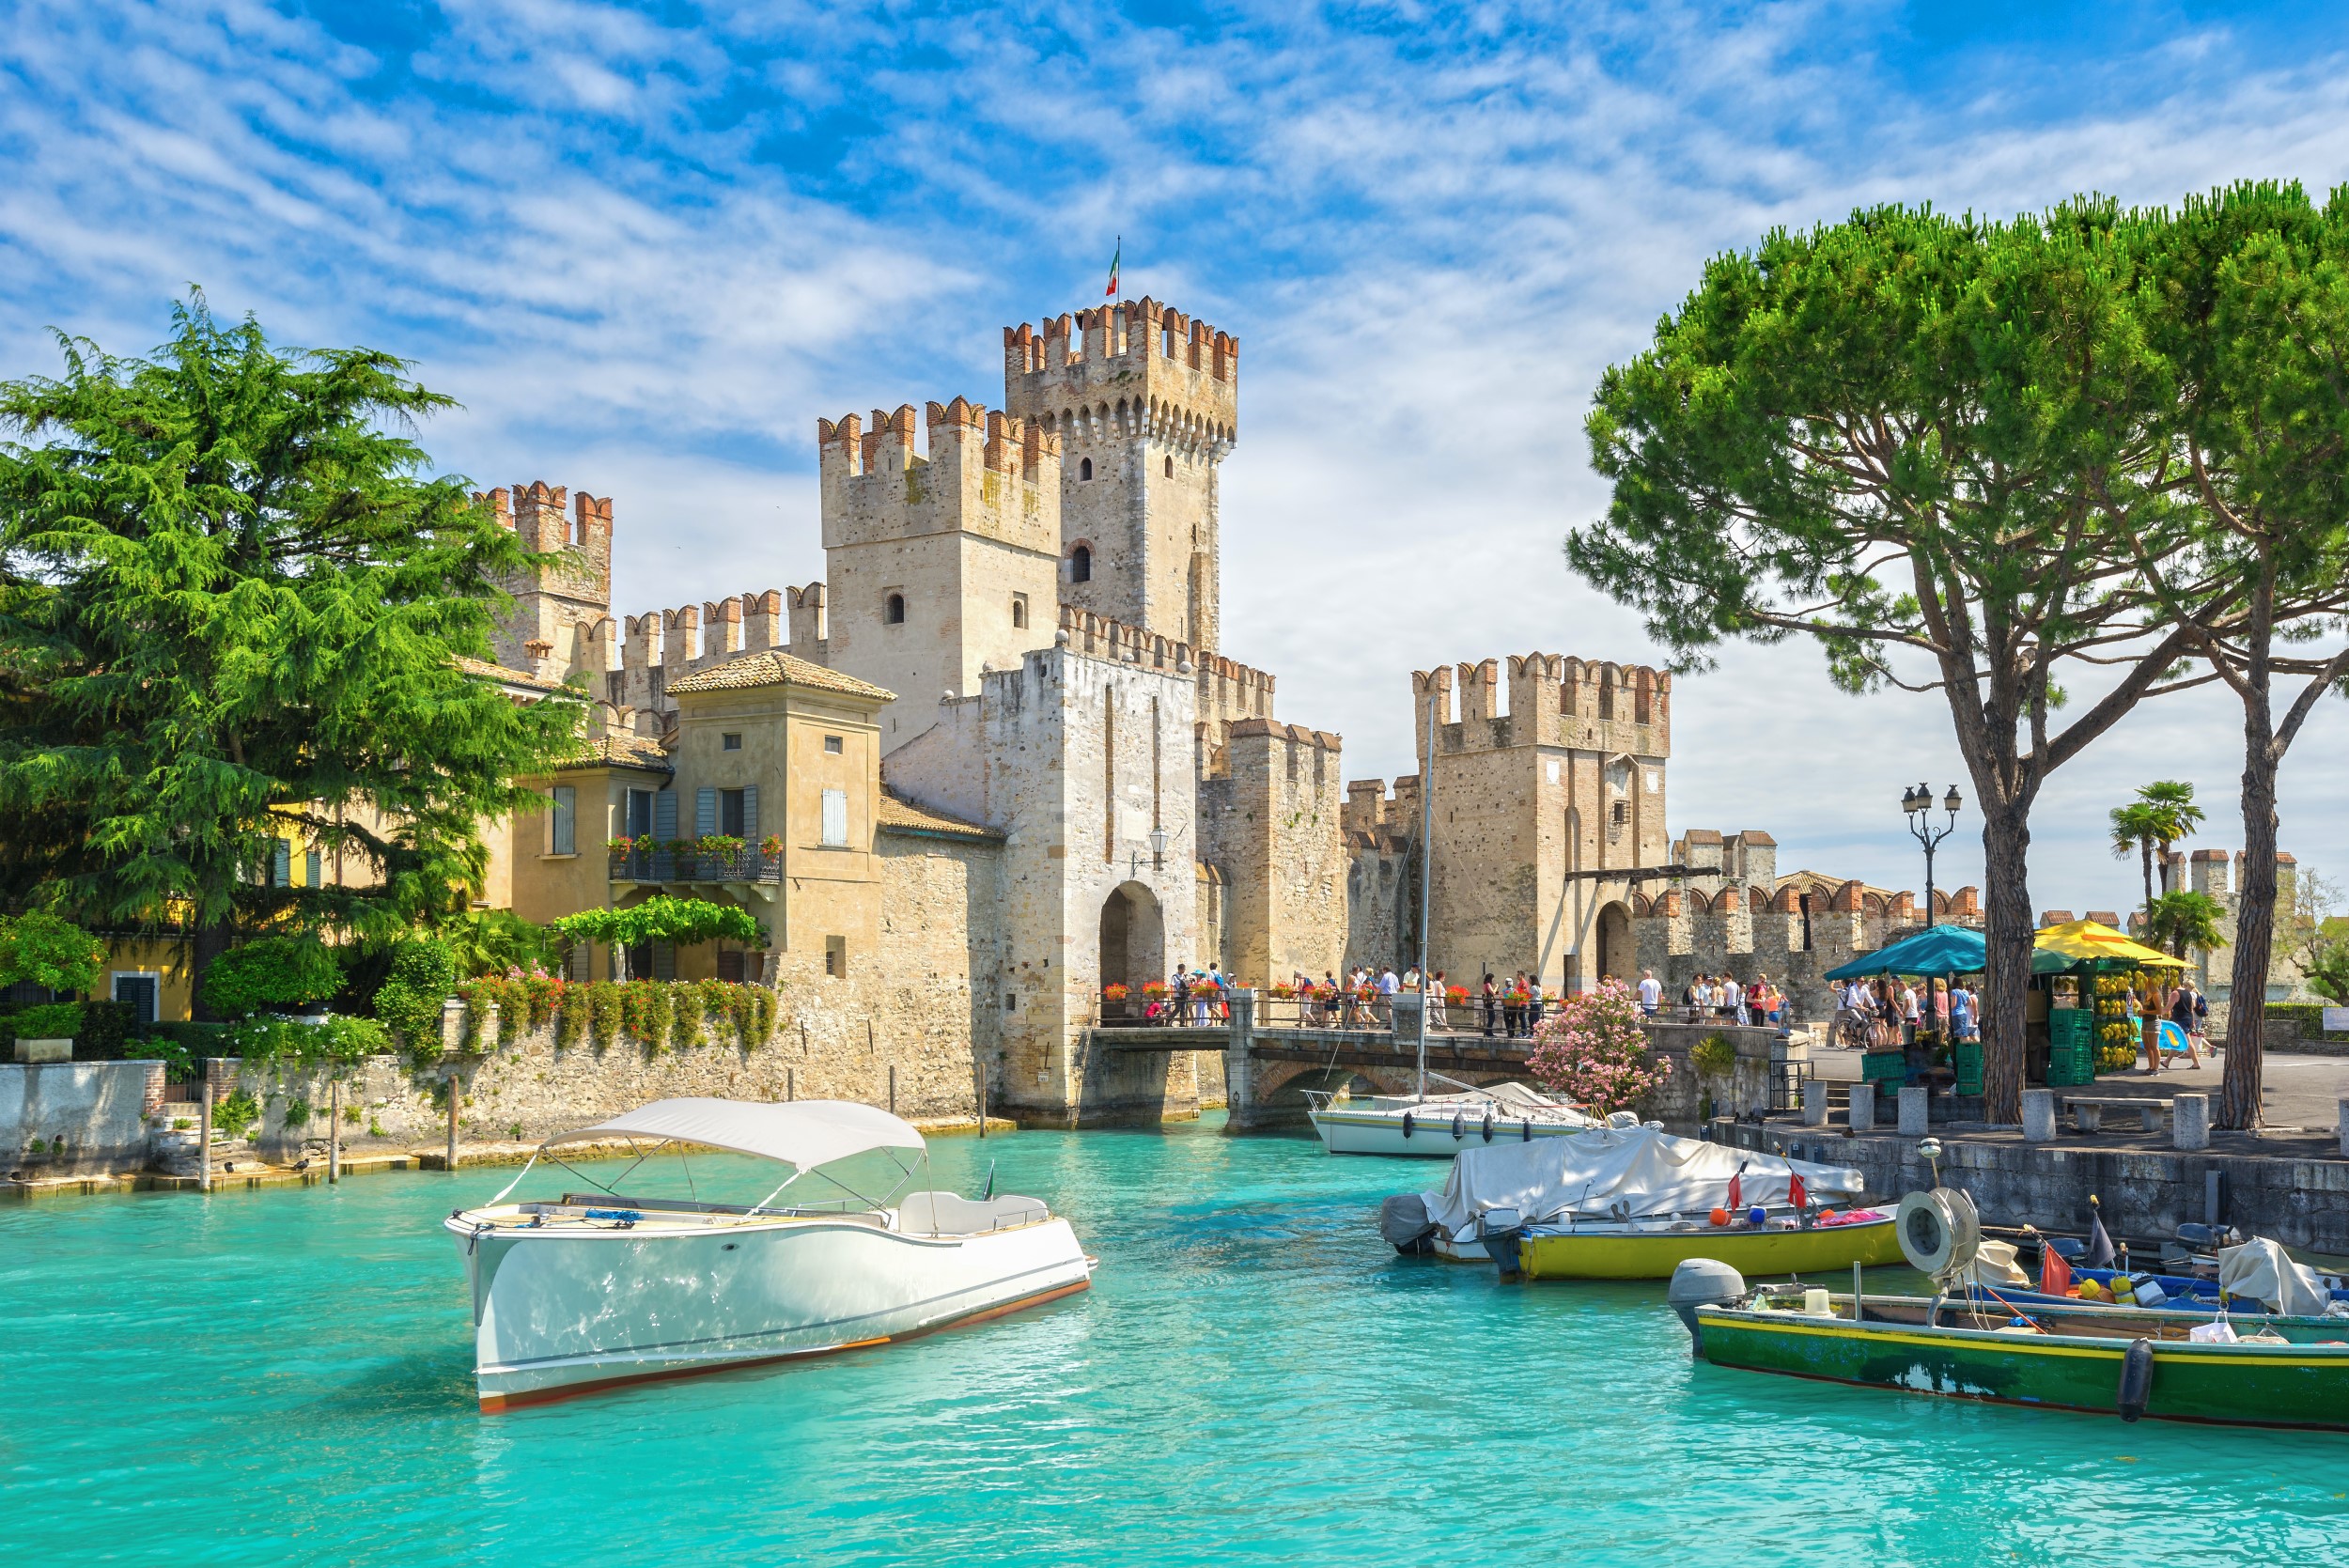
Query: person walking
<point x="1492" y="1005"/>
<point x="1651" y="993"/>
<point x="1437" y="1016"/>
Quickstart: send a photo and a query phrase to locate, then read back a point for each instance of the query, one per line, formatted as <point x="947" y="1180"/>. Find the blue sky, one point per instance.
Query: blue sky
<point x="648" y="246"/>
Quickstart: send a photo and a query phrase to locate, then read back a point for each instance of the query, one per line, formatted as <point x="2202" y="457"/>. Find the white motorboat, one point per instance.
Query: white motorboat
<point x="600" y="1288"/>
<point x="1437" y="1127"/>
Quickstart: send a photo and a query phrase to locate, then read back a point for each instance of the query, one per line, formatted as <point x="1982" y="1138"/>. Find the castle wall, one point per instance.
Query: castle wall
<point x="1076" y="760"/>
<point x="560" y="611"/>
<point x="1270" y="822"/>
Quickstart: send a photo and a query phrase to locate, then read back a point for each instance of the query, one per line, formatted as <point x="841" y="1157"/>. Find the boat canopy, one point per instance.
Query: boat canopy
<point x="803" y="1134"/>
<point x="1620" y="1173"/>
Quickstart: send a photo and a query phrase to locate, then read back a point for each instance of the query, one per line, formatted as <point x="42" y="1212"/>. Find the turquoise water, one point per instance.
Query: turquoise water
<point x="283" y="1377"/>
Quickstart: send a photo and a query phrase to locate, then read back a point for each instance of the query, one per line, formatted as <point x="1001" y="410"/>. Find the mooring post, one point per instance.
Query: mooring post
<point x="790" y="1083"/>
<point x="978" y="1090"/>
<point x="893" y="1089"/>
<point x="333" y="1131"/>
<point x="1239" y="1067"/>
<point x="452" y="1118"/>
<point x="203" y="1136"/>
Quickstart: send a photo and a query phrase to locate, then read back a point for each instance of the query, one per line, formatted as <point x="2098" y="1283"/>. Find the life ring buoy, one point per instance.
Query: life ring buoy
<point x="1406" y="1123"/>
<point x="1488" y="1126"/>
<point x="1459" y="1126"/>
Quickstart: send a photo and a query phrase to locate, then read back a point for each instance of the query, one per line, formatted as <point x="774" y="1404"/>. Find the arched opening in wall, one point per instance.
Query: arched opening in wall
<point x="1084" y="468"/>
<point x="1081" y="564"/>
<point x="1018" y="610"/>
<point x="1615" y="951"/>
<point x="1133" y="938"/>
<point x="1170" y="468"/>
<point x="894" y="610"/>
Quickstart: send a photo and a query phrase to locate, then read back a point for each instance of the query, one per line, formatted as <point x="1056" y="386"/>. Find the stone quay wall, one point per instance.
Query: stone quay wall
<point x="90" y="1118"/>
<point x="2300" y="1203"/>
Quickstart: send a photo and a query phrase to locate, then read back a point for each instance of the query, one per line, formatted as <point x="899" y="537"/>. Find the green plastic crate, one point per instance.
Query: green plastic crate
<point x="1882" y="1066"/>
<point x="2071" y="1026"/>
<point x="1967" y="1055"/>
<point x="2071" y="1067"/>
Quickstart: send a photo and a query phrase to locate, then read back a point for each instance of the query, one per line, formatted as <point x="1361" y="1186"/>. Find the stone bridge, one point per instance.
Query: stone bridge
<point x="1268" y="1070"/>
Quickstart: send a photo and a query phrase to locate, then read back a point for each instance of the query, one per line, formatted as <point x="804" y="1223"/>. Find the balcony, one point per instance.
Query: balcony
<point x="693" y="865"/>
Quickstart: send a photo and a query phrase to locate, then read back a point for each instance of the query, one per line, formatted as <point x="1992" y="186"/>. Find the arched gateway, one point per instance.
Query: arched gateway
<point x="1133" y="936"/>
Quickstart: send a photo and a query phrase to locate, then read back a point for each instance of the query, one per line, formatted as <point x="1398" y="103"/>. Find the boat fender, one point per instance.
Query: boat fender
<point x="2136" y="1378"/>
<point x="1406" y="1123"/>
<point x="1459" y="1126"/>
<point x="1488" y="1126"/>
<point x="1526" y="1128"/>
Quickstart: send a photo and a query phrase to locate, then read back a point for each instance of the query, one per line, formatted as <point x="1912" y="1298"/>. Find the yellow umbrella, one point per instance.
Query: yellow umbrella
<point x="2083" y="940"/>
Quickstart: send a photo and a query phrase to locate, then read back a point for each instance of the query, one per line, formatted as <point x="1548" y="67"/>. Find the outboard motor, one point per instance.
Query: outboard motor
<point x="1500" y="1230"/>
<point x="1402" y="1221"/>
<point x="1703" y="1283"/>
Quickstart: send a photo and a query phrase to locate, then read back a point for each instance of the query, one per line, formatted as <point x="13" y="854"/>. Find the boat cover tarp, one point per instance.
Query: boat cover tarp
<point x="1646" y="1171"/>
<point x="802" y="1134"/>
<point x="2260" y="1270"/>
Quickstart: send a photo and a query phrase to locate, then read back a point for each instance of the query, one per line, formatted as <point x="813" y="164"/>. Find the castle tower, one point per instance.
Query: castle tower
<point x="1145" y="402"/>
<point x="941" y="564"/>
<point x="552" y="630"/>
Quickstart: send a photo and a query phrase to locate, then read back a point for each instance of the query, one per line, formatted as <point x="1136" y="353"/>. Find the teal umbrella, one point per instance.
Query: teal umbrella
<point x="1944" y="950"/>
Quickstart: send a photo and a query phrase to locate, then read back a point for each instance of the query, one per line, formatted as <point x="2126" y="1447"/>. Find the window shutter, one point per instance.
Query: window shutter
<point x="562" y="820"/>
<point x="281" y="869"/>
<point x="835" y="823"/>
<point x="665" y="814"/>
<point x="665" y="961"/>
<point x="750" y="815"/>
<point x="706" y="811"/>
<point x="314" y="869"/>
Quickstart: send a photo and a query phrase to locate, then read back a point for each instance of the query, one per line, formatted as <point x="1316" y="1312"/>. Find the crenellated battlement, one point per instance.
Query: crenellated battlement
<point x="1125" y="370"/>
<point x="1229" y="691"/>
<point x="660" y="647"/>
<point x="1552" y="700"/>
<point x="555" y="604"/>
<point x="960" y="431"/>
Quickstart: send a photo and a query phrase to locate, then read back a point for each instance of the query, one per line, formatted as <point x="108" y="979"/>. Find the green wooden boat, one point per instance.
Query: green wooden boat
<point x="2102" y="1361"/>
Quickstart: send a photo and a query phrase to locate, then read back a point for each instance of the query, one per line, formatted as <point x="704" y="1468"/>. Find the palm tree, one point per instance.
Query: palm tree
<point x="2136" y="829"/>
<point x="2174" y="817"/>
<point x="2183" y="920"/>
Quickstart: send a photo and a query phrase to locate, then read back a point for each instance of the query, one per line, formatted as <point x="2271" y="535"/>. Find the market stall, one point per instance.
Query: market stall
<point x="2089" y="973"/>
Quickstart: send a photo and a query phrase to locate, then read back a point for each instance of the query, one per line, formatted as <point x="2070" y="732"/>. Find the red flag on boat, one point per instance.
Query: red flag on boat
<point x="1737" y="1188"/>
<point x="1795" y="1193"/>
<point x="2055" y="1275"/>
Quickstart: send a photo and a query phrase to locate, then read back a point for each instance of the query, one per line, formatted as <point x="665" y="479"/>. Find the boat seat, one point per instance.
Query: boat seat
<point x="949" y="1214"/>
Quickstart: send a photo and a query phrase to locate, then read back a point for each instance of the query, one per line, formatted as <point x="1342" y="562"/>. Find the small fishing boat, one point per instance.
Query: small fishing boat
<point x="2099" y="1359"/>
<point x="1974" y="1339"/>
<point x="600" y="1288"/>
<point x="1437" y="1127"/>
<point x="1634" y="1202"/>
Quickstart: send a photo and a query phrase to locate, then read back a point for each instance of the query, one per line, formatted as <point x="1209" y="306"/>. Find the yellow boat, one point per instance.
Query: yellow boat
<point x="1618" y="1251"/>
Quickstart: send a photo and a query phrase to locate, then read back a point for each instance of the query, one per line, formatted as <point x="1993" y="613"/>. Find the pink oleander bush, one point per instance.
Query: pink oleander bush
<point x="1594" y="1052"/>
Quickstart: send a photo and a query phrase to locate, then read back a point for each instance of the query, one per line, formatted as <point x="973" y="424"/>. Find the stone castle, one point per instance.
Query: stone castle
<point x="994" y="763"/>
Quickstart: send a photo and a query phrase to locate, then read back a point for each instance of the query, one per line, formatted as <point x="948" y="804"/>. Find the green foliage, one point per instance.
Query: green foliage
<point x="2180" y="920"/>
<point x="296" y="1113"/>
<point x="278" y="1040"/>
<point x="230" y="613"/>
<point x="47" y="950"/>
<point x="2327" y="970"/>
<point x="177" y="1060"/>
<point x="105" y="1030"/>
<point x="664" y="918"/>
<point x="423" y="977"/>
<point x="493" y="941"/>
<point x="236" y="1113"/>
<point x="271" y="973"/>
<point x="1714" y="1056"/>
<point x="50" y="1021"/>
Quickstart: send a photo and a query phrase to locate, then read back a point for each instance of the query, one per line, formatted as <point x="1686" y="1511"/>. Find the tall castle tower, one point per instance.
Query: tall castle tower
<point x="561" y="616"/>
<point x="1145" y="402"/>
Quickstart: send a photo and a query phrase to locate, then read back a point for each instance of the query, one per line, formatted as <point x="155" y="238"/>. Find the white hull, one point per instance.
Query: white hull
<point x="1431" y="1135"/>
<point x="571" y="1309"/>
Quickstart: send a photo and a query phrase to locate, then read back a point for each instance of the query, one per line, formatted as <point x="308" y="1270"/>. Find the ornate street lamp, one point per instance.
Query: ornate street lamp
<point x="1157" y="854"/>
<point x="1918" y="804"/>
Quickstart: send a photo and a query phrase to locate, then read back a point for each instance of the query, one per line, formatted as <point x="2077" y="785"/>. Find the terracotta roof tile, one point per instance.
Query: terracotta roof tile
<point x="505" y="676"/>
<point x="624" y="750"/>
<point x="902" y="816"/>
<point x="771" y="667"/>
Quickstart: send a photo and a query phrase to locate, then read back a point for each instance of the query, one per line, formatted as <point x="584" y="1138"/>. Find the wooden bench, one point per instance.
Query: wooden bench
<point x="2089" y="1110"/>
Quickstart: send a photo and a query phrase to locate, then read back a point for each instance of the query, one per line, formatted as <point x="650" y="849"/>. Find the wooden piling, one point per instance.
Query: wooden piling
<point x="893" y="1089"/>
<point x="978" y="1090"/>
<point x="790" y="1083"/>
<point x="453" y="1093"/>
<point x="334" y="1132"/>
<point x="204" y="1137"/>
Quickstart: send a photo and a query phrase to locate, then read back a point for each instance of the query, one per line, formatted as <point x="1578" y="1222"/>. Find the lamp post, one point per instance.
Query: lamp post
<point x="1918" y="803"/>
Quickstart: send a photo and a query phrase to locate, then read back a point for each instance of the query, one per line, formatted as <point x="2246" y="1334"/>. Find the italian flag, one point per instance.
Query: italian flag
<point x="1115" y="256"/>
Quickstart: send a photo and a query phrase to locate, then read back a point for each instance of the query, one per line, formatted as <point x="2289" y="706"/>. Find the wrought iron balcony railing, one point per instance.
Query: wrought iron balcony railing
<point x="693" y="865"/>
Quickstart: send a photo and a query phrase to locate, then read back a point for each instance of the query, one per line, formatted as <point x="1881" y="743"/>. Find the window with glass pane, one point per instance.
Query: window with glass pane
<point x="730" y="813"/>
